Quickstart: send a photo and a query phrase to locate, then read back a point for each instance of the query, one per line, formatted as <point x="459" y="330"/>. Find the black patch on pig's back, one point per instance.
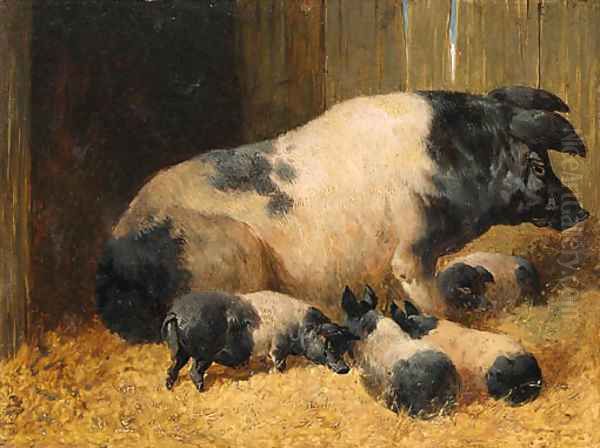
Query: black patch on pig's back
<point x="243" y="169"/>
<point x="247" y="169"/>
<point x="285" y="171"/>
<point x="280" y="204"/>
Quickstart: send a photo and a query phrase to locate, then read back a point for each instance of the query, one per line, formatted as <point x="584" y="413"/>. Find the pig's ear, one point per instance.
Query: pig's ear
<point x="349" y="303"/>
<point x="348" y="335"/>
<point x="328" y="330"/>
<point x="546" y="130"/>
<point x="396" y="312"/>
<point x="234" y="323"/>
<point x="369" y="297"/>
<point x="400" y="318"/>
<point x="314" y="319"/>
<point x="529" y="98"/>
<point x="485" y="275"/>
<point x="410" y="309"/>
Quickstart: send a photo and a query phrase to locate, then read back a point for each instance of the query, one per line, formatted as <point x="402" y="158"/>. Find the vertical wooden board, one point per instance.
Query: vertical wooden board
<point x="15" y="168"/>
<point x="305" y="60"/>
<point x="261" y="67"/>
<point x="351" y="40"/>
<point x="280" y="64"/>
<point x="570" y="45"/>
<point x="391" y="46"/>
<point x="496" y="44"/>
<point x="364" y="48"/>
<point x="428" y="45"/>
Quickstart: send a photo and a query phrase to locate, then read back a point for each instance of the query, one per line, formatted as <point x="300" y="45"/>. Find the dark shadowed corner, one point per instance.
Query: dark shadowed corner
<point x="120" y="90"/>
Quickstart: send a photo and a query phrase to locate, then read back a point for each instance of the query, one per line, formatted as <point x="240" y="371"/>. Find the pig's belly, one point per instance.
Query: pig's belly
<point x="315" y="266"/>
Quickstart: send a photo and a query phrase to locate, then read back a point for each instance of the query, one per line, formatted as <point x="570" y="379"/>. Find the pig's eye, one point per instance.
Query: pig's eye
<point x="538" y="168"/>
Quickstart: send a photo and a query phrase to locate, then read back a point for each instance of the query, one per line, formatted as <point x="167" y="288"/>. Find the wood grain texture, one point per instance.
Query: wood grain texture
<point x="280" y="60"/>
<point x="570" y="67"/>
<point x="428" y="54"/>
<point x="497" y="44"/>
<point x="365" y="48"/>
<point x="15" y="166"/>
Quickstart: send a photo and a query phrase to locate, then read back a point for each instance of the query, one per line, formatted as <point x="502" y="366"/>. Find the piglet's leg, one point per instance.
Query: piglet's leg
<point x="279" y="353"/>
<point x="199" y="368"/>
<point x="179" y="356"/>
<point x="180" y="359"/>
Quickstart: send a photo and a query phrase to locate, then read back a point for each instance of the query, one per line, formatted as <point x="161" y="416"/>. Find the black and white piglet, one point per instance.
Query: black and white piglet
<point x="489" y="281"/>
<point x="230" y="329"/>
<point x="487" y="362"/>
<point x="408" y="374"/>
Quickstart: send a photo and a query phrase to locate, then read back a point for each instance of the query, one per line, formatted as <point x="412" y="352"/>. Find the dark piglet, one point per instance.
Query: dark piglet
<point x="230" y="330"/>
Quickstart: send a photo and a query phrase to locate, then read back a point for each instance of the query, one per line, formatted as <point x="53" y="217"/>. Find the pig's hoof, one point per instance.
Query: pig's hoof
<point x="199" y="385"/>
<point x="170" y="383"/>
<point x="279" y="366"/>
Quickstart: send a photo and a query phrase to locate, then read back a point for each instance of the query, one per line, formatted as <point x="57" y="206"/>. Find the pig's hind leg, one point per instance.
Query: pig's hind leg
<point x="179" y="356"/>
<point x="197" y="373"/>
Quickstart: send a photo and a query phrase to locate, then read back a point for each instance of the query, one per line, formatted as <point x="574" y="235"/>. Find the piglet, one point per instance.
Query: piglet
<point x="487" y="362"/>
<point x="489" y="281"/>
<point x="409" y="375"/>
<point x="231" y="329"/>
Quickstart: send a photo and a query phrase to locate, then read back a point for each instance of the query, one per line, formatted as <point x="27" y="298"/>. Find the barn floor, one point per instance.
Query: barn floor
<point x="84" y="387"/>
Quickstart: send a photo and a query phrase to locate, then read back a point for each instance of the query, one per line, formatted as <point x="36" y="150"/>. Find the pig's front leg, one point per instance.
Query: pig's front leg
<point x="197" y="373"/>
<point x="279" y="353"/>
<point x="415" y="276"/>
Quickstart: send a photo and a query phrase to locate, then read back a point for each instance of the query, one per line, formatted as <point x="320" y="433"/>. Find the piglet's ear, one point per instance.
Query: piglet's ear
<point x="234" y="324"/>
<point x="349" y="303"/>
<point x="369" y="297"/>
<point x="348" y="335"/>
<point x="396" y="312"/>
<point x="400" y="317"/>
<point x="328" y="330"/>
<point x="486" y="276"/>
<point x="411" y="309"/>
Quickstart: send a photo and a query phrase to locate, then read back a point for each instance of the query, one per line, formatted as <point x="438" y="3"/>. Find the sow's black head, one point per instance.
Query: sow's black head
<point x="324" y="342"/>
<point x="361" y="316"/>
<point x="464" y="286"/>
<point x="496" y="146"/>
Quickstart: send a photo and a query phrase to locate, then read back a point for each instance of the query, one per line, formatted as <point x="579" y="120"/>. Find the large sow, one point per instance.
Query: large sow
<point x="399" y="179"/>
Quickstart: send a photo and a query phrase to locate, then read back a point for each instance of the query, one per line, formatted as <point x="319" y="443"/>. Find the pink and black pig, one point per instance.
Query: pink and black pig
<point x="490" y="281"/>
<point x="401" y="178"/>
<point x="487" y="362"/>
<point x="409" y="375"/>
<point x="232" y="329"/>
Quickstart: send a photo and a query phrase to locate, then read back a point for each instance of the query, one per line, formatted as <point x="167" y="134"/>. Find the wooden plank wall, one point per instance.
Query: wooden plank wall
<point x="280" y="60"/>
<point x="15" y="167"/>
<point x="360" y="47"/>
<point x="570" y="66"/>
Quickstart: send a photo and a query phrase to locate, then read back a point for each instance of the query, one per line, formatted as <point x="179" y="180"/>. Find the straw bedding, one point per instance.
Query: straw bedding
<point x="81" y="386"/>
